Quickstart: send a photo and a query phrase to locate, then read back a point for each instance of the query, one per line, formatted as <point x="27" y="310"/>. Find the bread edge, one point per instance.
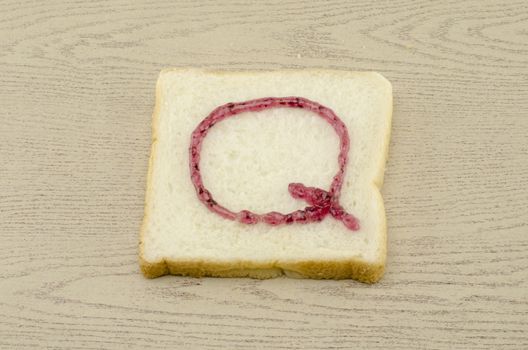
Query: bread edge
<point x="355" y="268"/>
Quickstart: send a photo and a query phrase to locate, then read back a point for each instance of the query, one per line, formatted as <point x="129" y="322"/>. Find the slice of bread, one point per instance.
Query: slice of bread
<point x="247" y="162"/>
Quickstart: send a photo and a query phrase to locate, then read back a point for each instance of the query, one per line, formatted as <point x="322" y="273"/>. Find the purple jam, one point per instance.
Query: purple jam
<point x="321" y="202"/>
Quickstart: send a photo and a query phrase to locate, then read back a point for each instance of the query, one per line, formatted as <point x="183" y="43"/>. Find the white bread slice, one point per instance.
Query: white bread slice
<point x="247" y="162"/>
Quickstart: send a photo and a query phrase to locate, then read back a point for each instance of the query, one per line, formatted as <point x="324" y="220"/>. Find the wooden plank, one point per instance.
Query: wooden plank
<point x="77" y="91"/>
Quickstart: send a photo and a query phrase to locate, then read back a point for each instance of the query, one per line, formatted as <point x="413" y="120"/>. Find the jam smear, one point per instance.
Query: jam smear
<point x="321" y="202"/>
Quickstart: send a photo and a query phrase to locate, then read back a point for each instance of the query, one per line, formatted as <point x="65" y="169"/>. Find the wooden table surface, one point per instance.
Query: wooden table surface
<point x="77" y="92"/>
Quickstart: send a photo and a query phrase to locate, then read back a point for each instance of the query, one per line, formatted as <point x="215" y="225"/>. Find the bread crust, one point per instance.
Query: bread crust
<point x="354" y="268"/>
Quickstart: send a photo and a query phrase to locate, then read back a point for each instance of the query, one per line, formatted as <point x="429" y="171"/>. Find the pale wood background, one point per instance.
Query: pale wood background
<point x="76" y="95"/>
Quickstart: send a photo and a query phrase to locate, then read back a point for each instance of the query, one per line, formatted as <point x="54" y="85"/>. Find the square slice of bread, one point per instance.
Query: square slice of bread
<point x="247" y="162"/>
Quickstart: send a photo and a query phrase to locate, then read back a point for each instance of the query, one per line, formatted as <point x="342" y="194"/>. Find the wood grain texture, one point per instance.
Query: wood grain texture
<point x="77" y="90"/>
